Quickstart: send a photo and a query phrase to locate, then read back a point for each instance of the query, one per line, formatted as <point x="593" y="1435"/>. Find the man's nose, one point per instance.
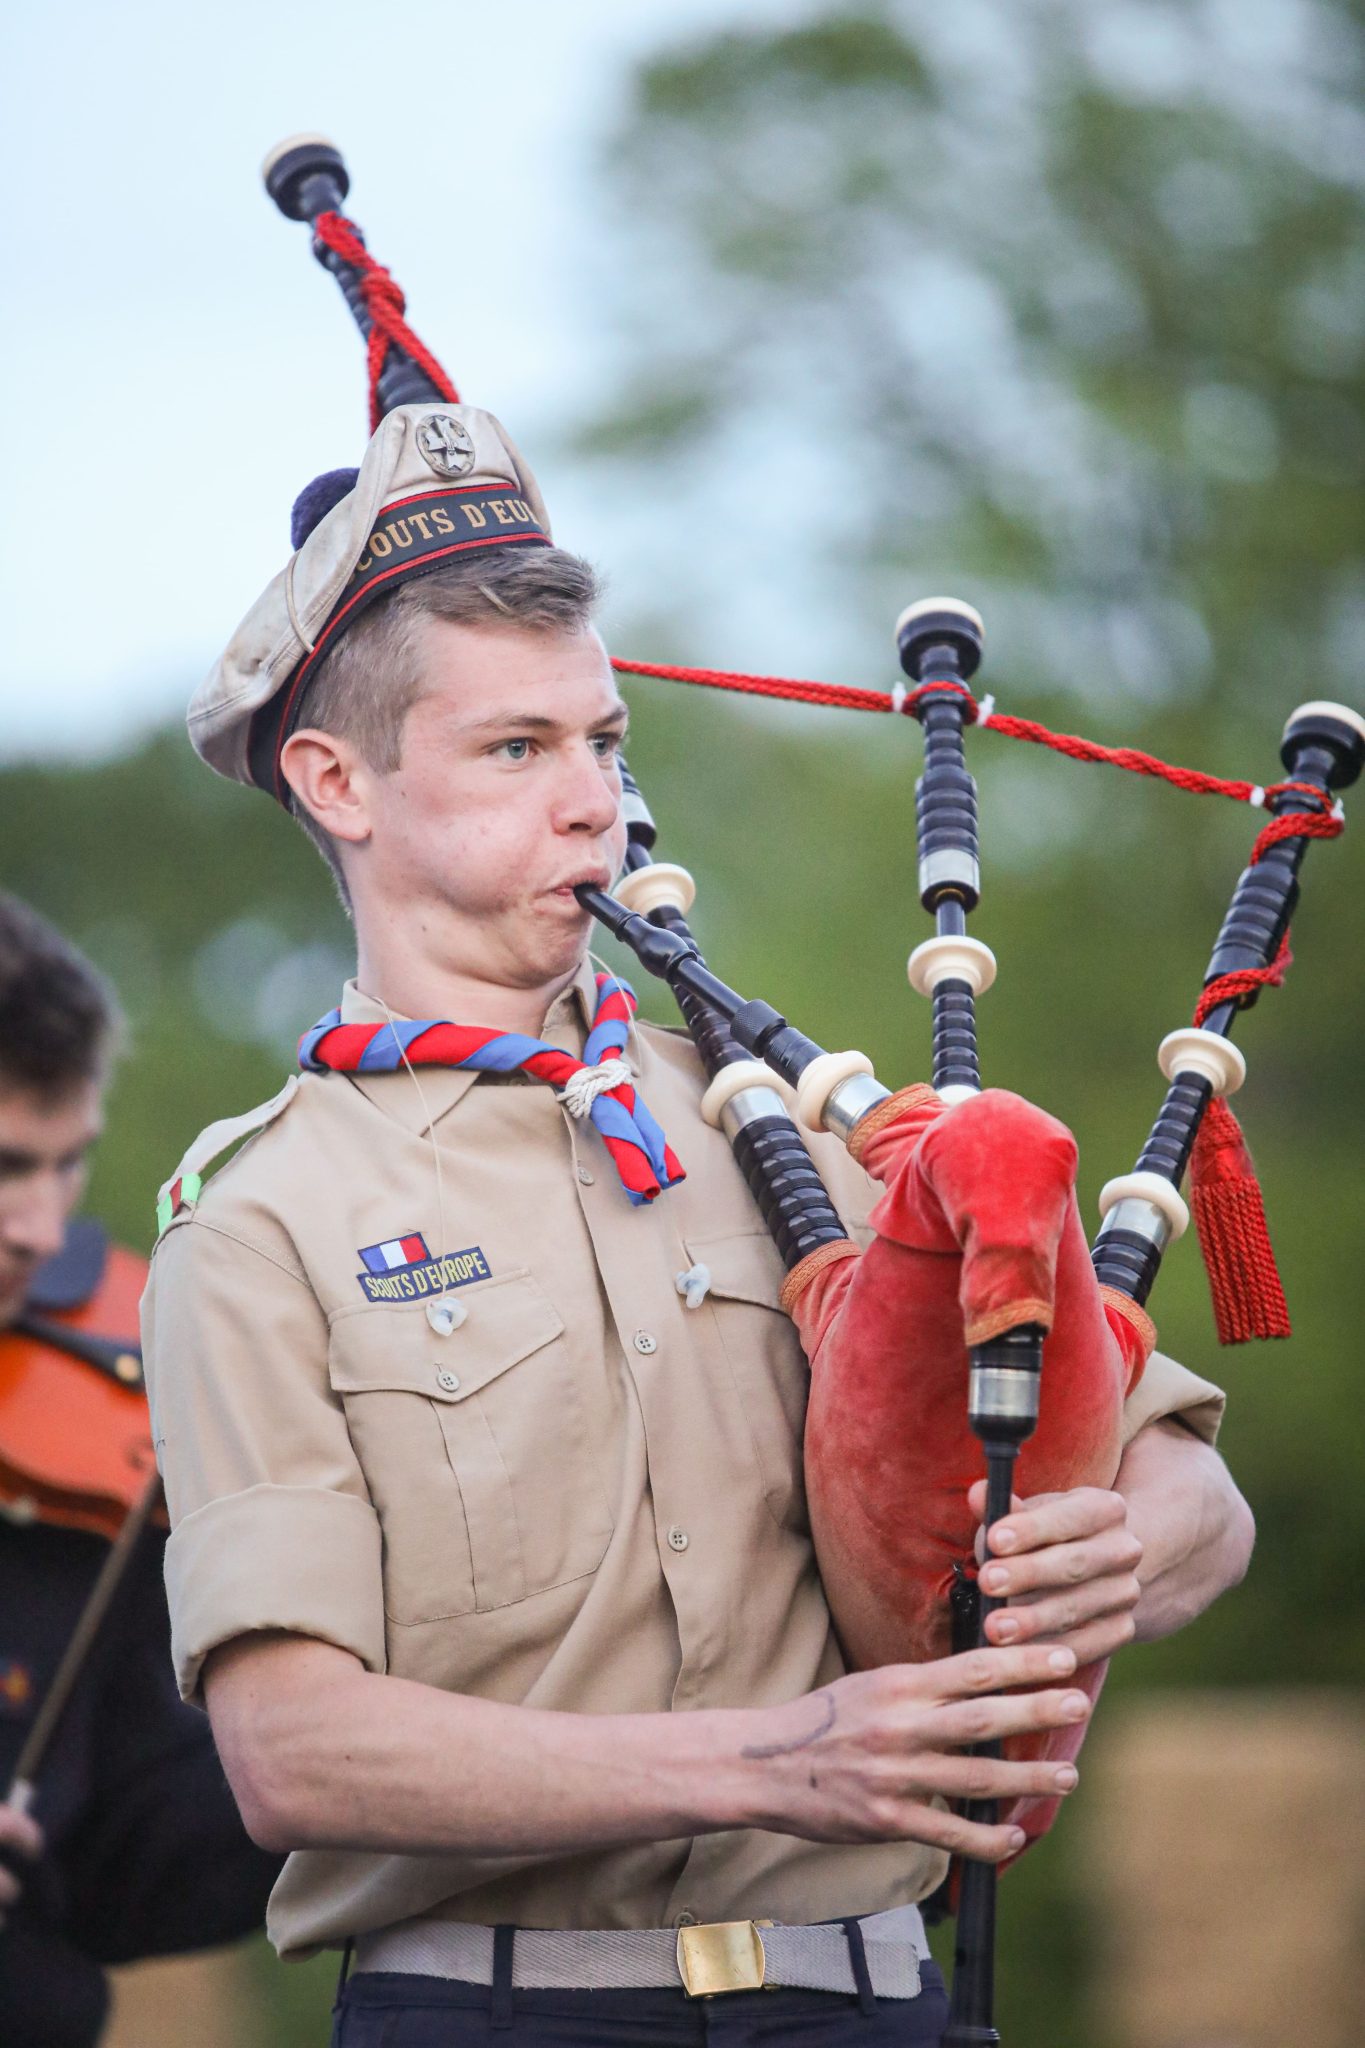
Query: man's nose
<point x="590" y="796"/>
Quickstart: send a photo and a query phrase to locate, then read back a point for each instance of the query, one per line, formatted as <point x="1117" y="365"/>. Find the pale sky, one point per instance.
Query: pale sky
<point x="174" y="365"/>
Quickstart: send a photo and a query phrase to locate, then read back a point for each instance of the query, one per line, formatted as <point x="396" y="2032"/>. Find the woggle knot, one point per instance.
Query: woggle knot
<point x="585" y="1086"/>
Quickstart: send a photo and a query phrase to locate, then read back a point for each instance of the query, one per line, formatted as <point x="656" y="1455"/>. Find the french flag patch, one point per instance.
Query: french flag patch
<point x="395" y="1253"/>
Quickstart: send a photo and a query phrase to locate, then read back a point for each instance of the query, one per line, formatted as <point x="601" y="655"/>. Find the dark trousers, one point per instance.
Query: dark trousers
<point x="377" y="2010"/>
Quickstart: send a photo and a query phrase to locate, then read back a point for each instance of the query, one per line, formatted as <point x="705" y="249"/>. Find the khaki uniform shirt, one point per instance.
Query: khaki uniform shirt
<point x="585" y="1497"/>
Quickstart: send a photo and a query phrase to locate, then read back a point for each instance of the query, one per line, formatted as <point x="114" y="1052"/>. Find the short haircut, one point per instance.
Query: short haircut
<point x="365" y="686"/>
<point x="59" y="1021"/>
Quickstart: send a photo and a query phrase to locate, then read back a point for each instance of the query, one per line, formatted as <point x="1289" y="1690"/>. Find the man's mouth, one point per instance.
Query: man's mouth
<point x="594" y="878"/>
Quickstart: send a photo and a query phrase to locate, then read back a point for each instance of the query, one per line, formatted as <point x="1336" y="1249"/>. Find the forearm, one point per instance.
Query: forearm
<point x="334" y="1756"/>
<point x="1196" y="1530"/>
<point x="324" y="1755"/>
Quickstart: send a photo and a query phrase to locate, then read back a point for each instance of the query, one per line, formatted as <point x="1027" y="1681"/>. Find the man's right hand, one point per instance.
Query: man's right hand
<point x="862" y="1760"/>
<point x="21" y="1841"/>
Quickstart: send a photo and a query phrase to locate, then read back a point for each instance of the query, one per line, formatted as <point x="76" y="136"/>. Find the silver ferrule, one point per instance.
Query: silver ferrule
<point x="748" y="1107"/>
<point x="1144" y="1219"/>
<point x="951" y="865"/>
<point x="851" y="1102"/>
<point x="1002" y="1393"/>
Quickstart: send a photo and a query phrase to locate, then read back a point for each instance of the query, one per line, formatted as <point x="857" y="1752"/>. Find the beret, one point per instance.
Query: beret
<point x="437" y="482"/>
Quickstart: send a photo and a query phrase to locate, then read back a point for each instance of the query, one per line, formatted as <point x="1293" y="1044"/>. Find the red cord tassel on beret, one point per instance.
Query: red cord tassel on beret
<point x="1229" y="1215"/>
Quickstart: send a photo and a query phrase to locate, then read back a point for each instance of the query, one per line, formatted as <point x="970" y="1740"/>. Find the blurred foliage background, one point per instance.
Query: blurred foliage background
<point x="1058" y="308"/>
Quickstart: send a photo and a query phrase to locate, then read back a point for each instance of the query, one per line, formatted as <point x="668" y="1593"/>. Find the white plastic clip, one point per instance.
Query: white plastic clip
<point x="985" y="710"/>
<point x="899" y="693"/>
<point x="693" y="1285"/>
<point x="583" y="1089"/>
<point x="1257" y="798"/>
<point x="446" y="1316"/>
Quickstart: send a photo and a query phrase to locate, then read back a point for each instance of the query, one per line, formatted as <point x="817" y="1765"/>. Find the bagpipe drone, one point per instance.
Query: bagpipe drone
<point x="930" y="1350"/>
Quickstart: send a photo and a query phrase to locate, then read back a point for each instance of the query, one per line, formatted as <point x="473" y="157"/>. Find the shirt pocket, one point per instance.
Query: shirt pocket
<point x="475" y="1450"/>
<point x="767" y="1364"/>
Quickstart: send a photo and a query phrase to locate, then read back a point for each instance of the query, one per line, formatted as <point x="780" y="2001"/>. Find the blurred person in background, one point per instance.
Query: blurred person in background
<point x="133" y="1846"/>
<point x="467" y="1504"/>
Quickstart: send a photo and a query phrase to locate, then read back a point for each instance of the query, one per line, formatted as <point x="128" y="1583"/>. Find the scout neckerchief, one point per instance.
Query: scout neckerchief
<point x="597" y="1086"/>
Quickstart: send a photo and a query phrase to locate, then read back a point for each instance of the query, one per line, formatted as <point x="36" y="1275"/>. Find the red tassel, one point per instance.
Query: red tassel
<point x="1229" y="1215"/>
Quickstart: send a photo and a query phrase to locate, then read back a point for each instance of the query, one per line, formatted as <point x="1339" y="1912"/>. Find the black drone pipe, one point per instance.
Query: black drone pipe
<point x="305" y="177"/>
<point x="1322" y="751"/>
<point x="764" y="1137"/>
<point x="940" y="644"/>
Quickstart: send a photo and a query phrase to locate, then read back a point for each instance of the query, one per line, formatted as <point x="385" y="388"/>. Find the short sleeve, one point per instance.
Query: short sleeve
<point x="1168" y="1390"/>
<point x="272" y="1524"/>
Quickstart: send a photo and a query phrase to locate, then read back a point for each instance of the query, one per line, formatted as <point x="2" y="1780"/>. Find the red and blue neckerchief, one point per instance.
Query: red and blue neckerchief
<point x="642" y="1155"/>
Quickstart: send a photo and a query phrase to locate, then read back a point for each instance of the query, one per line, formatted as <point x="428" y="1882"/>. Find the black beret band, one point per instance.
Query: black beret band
<point x="410" y="538"/>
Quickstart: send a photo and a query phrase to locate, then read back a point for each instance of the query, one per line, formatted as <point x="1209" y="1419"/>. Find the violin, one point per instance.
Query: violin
<point x="75" y="1431"/>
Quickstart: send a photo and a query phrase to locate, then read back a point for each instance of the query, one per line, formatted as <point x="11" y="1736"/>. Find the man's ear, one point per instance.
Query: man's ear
<point x="331" y="780"/>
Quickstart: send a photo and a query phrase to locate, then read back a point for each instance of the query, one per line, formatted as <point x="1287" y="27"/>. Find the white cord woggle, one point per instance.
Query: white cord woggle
<point x="580" y="1093"/>
<point x="693" y="1285"/>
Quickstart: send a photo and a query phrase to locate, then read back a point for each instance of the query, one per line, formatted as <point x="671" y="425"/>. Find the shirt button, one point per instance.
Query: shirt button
<point x="687" y="1918"/>
<point x="678" y="1539"/>
<point x="585" y="1177"/>
<point x="644" y="1342"/>
<point x="449" y="1382"/>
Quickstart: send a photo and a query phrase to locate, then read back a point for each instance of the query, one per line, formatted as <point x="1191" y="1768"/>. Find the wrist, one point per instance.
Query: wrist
<point x="738" y="1763"/>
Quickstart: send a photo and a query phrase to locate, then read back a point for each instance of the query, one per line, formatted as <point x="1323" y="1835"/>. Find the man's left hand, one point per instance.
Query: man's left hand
<point x="1068" y="1565"/>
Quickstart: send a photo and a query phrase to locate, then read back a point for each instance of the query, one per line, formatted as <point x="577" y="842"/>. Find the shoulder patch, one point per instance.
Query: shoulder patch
<point x="179" y="1194"/>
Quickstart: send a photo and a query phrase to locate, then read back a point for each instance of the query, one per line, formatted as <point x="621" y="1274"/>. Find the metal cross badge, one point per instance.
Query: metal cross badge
<point x="446" y="444"/>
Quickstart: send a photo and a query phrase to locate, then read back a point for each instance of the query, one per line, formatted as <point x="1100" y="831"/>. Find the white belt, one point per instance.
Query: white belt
<point x="732" y="1955"/>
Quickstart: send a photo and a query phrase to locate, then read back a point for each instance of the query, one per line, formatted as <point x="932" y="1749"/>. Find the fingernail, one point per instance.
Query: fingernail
<point x="1004" y="1539"/>
<point x="1062" y="1660"/>
<point x="1067" y="1778"/>
<point x="1017" y="1840"/>
<point x="1005" y="1631"/>
<point x="1076" y="1705"/>
<point x="995" y="1580"/>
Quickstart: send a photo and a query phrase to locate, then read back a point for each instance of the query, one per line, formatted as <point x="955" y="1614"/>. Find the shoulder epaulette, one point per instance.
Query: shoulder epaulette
<point x="186" y="1184"/>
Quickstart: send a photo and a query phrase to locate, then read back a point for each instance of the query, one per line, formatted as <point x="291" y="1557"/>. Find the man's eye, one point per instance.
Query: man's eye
<point x="515" y="750"/>
<point x="606" y="745"/>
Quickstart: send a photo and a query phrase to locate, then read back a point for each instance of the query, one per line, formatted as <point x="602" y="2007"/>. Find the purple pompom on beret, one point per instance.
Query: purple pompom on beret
<point x="316" y="500"/>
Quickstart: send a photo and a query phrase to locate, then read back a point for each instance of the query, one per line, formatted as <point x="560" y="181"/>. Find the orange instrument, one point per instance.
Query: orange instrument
<point x="75" y="1433"/>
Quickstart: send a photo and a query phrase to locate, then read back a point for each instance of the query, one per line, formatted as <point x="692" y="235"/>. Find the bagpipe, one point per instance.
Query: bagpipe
<point x="977" y="1330"/>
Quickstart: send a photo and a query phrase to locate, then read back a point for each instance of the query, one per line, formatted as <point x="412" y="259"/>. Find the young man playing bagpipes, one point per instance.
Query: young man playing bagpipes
<point x="490" y="1555"/>
<point x="118" y="1838"/>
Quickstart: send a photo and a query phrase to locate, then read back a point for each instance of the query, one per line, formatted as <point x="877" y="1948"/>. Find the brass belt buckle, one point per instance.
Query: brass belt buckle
<point x="726" y="1956"/>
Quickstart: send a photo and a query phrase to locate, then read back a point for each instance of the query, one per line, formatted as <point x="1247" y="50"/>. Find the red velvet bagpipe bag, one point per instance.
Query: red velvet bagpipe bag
<point x="977" y="1232"/>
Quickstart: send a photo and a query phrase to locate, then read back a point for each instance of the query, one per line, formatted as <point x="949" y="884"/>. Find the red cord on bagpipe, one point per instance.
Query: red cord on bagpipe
<point x="843" y="697"/>
<point x="1225" y="1196"/>
<point x="386" y="305"/>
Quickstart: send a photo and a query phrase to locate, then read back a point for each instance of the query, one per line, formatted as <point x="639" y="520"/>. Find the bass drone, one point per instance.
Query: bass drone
<point x="928" y="1350"/>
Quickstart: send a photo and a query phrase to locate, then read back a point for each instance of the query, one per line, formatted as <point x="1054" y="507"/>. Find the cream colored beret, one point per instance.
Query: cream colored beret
<point x="438" y="481"/>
